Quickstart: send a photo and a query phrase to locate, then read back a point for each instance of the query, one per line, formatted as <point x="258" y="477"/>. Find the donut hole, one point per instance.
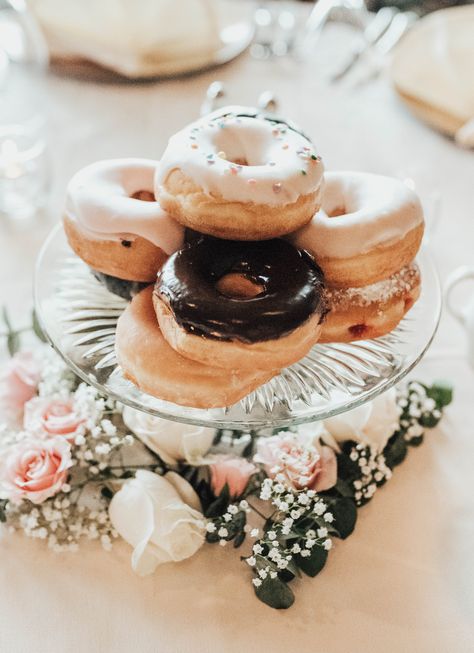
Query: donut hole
<point x="237" y="286"/>
<point x="240" y="148"/>
<point x="143" y="196"/>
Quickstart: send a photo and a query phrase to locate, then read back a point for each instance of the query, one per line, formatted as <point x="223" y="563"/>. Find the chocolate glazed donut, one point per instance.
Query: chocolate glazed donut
<point x="242" y="303"/>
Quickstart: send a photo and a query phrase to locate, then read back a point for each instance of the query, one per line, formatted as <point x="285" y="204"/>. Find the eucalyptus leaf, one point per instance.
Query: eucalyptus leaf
<point x="429" y="420"/>
<point x="239" y="539"/>
<point x="3" y="516"/>
<point x="345" y="516"/>
<point x="415" y="442"/>
<point x="344" y="488"/>
<point x="37" y="330"/>
<point x="313" y="564"/>
<point x="219" y="506"/>
<point x="275" y="593"/>
<point x="395" y="451"/>
<point x="441" y="391"/>
<point x="13" y="342"/>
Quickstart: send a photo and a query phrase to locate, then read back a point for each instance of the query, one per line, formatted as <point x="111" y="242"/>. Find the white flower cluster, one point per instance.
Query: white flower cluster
<point x="63" y="523"/>
<point x="221" y="526"/>
<point x="373" y="469"/>
<point x="415" y="404"/>
<point x="57" y="380"/>
<point x="99" y="438"/>
<point x="274" y="549"/>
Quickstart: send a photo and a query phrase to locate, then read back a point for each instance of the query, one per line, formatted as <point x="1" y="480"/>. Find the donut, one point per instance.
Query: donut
<point x="371" y="311"/>
<point x="153" y="366"/>
<point x="242" y="305"/>
<point x="240" y="175"/>
<point x="368" y="228"/>
<point x="113" y="222"/>
<point x="120" y="287"/>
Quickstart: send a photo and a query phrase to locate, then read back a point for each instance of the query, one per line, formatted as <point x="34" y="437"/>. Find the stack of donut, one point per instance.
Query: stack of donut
<point x="237" y="258"/>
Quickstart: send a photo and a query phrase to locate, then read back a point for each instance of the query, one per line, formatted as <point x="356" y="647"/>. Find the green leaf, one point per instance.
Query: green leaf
<point x="13" y="343"/>
<point x="313" y="564"/>
<point x="212" y="538"/>
<point x="395" y="451"/>
<point x="429" y="421"/>
<point x="415" y="442"/>
<point x="3" y="516"/>
<point x="441" y="391"/>
<point x="290" y="572"/>
<point x="240" y="537"/>
<point x="344" y="488"/>
<point x="219" y="506"/>
<point x="275" y="593"/>
<point x="37" y="330"/>
<point x="345" y="516"/>
<point x="347" y="469"/>
<point x="248" y="449"/>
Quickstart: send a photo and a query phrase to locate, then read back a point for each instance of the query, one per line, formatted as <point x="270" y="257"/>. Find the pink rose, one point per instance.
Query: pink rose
<point x="19" y="383"/>
<point x="53" y="417"/>
<point x="35" y="469"/>
<point x="236" y="472"/>
<point x="301" y="463"/>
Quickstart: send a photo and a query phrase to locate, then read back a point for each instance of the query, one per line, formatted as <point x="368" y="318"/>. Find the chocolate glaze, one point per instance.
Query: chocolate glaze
<point x="292" y="282"/>
<point x="121" y="287"/>
<point x="271" y="117"/>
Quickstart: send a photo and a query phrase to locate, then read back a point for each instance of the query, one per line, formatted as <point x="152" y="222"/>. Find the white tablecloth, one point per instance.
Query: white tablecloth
<point x="405" y="580"/>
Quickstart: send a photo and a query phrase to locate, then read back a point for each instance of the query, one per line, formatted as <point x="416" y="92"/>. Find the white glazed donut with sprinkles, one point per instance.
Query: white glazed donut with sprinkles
<point x="231" y="173"/>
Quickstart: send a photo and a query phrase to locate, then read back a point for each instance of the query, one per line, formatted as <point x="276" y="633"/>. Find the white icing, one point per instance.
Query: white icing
<point x="99" y="200"/>
<point x="376" y="211"/>
<point x="279" y="169"/>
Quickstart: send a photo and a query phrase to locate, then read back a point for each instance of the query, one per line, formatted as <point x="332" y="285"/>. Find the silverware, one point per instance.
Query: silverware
<point x="345" y="11"/>
<point x="400" y="24"/>
<point x="372" y="33"/>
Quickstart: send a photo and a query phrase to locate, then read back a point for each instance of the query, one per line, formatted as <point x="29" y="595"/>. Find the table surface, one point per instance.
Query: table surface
<point x="405" y="580"/>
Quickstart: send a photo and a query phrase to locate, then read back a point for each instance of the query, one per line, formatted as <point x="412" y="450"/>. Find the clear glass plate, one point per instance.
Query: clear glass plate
<point x="79" y="317"/>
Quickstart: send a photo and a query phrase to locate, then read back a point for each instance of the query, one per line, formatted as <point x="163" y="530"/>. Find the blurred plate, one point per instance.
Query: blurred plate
<point x="76" y="56"/>
<point x="433" y="68"/>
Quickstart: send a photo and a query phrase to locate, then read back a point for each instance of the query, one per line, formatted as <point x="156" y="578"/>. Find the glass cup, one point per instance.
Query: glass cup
<point x="24" y="169"/>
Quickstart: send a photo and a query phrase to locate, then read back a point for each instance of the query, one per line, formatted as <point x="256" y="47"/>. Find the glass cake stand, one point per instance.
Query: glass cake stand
<point x="79" y="317"/>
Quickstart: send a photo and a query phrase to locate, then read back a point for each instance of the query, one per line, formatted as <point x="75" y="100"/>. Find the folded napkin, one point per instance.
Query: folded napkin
<point x="434" y="65"/>
<point x="133" y="37"/>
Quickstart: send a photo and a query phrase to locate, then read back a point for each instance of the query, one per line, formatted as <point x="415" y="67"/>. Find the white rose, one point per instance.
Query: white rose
<point x="160" y="517"/>
<point x="172" y="441"/>
<point x="372" y="423"/>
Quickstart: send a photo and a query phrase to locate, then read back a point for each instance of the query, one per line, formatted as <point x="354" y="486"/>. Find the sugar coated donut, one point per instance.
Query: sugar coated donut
<point x="372" y="311"/>
<point x="240" y="175"/>
<point x="243" y="305"/>
<point x="368" y="228"/>
<point x="113" y="222"/>
<point x="151" y="364"/>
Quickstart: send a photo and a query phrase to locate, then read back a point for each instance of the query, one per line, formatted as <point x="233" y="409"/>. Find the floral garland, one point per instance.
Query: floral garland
<point x="77" y="466"/>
